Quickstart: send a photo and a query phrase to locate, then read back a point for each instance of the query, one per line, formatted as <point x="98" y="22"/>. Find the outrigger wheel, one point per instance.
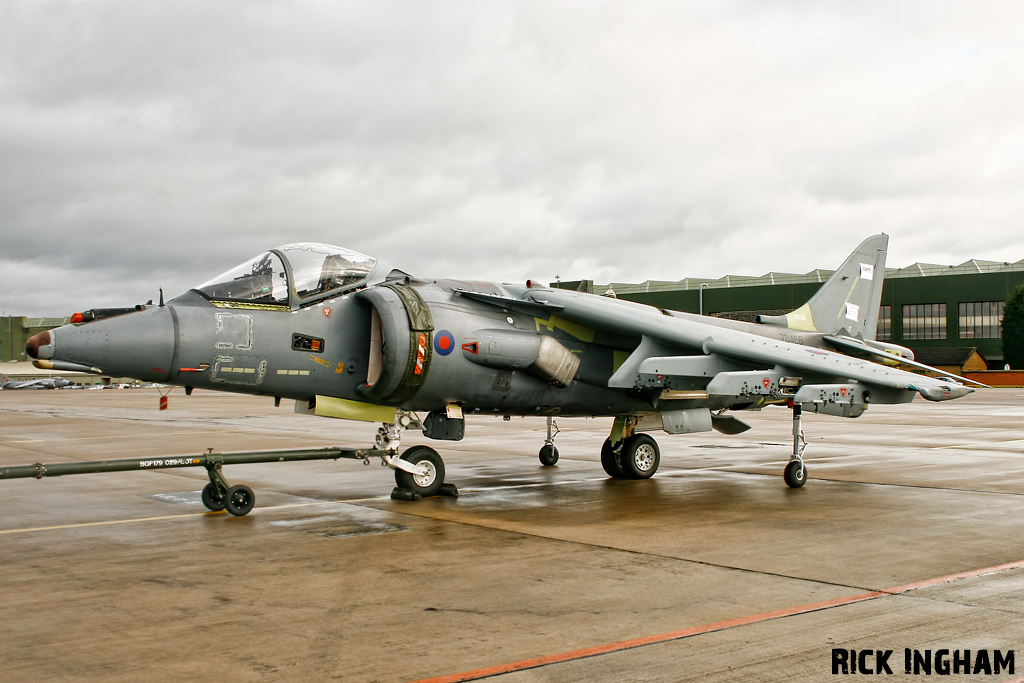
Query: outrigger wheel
<point x="795" y="474"/>
<point x="427" y="484"/>
<point x="548" y="455"/>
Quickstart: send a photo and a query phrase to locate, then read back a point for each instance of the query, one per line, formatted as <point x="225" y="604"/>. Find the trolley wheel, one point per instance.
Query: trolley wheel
<point x="795" y="474"/>
<point x="640" y="457"/>
<point x="548" y="455"/>
<point x="610" y="461"/>
<point x="239" y="500"/>
<point x="212" y="498"/>
<point x="428" y="484"/>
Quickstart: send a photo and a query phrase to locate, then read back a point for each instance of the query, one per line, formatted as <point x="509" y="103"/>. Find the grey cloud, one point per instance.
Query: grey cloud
<point x="167" y="142"/>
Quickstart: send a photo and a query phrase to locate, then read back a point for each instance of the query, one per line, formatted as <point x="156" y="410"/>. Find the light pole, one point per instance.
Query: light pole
<point x="700" y="296"/>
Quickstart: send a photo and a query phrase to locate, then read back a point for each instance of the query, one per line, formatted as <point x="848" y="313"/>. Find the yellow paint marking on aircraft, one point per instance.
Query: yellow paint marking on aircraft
<point x="328" y="406"/>
<point x="579" y="331"/>
<point x="801" y="319"/>
<point x="618" y="358"/>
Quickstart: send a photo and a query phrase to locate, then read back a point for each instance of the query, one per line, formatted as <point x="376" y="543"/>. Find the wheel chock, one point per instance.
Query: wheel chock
<point x="404" y="494"/>
<point x="448" y="490"/>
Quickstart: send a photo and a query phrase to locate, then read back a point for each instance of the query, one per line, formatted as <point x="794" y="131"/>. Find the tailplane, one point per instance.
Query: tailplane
<point x="849" y="300"/>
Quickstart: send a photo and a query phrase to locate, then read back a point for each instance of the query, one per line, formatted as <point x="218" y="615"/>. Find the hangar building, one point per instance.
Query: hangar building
<point x="950" y="316"/>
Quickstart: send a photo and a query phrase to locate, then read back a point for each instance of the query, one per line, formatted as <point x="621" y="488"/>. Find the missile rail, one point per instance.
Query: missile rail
<point x="218" y="494"/>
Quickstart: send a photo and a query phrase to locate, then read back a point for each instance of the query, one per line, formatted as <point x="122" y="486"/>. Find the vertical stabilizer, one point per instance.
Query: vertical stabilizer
<point x="849" y="300"/>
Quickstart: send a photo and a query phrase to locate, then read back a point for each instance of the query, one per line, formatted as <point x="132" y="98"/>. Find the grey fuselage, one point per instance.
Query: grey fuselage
<point x="437" y="347"/>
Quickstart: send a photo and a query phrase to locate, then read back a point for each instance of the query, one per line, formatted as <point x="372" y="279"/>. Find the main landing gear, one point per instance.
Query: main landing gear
<point x="631" y="455"/>
<point x="795" y="474"/>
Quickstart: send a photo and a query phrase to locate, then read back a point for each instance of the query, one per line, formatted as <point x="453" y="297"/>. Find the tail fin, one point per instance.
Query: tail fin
<point x="849" y="300"/>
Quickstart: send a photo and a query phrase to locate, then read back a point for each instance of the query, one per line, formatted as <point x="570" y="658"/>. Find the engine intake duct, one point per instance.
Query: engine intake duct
<point x="540" y="355"/>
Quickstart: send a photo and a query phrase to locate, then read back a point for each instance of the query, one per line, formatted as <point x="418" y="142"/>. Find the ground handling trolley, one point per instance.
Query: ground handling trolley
<point x="218" y="494"/>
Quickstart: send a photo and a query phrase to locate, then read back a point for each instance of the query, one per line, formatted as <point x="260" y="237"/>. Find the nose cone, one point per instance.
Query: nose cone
<point x="39" y="346"/>
<point x="139" y="345"/>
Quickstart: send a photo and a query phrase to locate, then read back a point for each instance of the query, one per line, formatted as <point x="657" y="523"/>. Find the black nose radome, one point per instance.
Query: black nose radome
<point x="33" y="343"/>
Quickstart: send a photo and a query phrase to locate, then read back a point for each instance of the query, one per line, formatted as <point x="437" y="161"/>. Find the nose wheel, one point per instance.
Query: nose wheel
<point x="428" y="479"/>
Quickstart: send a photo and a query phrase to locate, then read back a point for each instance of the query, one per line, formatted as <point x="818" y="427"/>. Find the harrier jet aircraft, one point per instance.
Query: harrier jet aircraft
<point x="47" y="383"/>
<point x="347" y="336"/>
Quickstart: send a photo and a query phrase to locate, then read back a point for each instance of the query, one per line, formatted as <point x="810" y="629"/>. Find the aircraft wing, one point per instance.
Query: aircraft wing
<point x="530" y="304"/>
<point x="860" y="346"/>
<point x="626" y="317"/>
<point x="820" y="361"/>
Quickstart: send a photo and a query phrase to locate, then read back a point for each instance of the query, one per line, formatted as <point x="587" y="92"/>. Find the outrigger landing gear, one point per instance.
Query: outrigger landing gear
<point x="632" y="455"/>
<point x="795" y="474"/>
<point x="548" y="453"/>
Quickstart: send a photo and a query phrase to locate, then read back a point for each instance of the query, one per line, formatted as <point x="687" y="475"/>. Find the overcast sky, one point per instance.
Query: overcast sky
<point x="147" y="145"/>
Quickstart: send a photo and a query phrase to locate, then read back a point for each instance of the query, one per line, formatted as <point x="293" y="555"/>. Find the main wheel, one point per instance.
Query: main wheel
<point x="795" y="474"/>
<point x="427" y="484"/>
<point x="548" y="455"/>
<point x="610" y="461"/>
<point x="640" y="457"/>
<point x="239" y="500"/>
<point x="212" y="498"/>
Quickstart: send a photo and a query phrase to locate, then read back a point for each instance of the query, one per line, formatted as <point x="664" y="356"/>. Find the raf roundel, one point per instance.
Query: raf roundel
<point x="444" y="342"/>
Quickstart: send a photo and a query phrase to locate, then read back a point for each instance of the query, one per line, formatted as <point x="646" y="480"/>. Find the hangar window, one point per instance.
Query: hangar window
<point x="924" y="321"/>
<point x="981" y="320"/>
<point x="884" y="332"/>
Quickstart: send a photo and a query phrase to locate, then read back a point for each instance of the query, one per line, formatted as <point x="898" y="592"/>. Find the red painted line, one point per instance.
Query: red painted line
<point x="927" y="583"/>
<point x="648" y="640"/>
<point x="582" y="653"/>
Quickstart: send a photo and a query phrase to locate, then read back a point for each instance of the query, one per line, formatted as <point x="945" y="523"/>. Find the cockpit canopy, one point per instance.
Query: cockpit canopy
<point x="293" y="274"/>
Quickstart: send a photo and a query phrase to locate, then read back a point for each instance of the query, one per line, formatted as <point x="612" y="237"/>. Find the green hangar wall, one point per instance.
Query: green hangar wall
<point x="925" y="307"/>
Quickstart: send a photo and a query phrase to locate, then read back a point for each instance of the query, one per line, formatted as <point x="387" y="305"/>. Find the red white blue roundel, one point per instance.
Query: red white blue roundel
<point x="444" y="342"/>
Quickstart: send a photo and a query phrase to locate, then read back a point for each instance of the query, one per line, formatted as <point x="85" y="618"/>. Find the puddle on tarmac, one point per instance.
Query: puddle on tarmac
<point x="335" y="527"/>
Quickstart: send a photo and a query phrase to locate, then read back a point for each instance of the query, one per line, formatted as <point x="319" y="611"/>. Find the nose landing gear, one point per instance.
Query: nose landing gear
<point x="419" y="471"/>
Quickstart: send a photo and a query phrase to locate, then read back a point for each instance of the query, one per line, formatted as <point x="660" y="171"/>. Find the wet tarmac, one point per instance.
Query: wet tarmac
<point x="909" y="534"/>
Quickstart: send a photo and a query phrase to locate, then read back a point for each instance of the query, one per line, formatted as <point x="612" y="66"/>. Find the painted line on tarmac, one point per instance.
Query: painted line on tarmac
<point x="597" y="650"/>
<point x="113" y="437"/>
<point x="207" y="513"/>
